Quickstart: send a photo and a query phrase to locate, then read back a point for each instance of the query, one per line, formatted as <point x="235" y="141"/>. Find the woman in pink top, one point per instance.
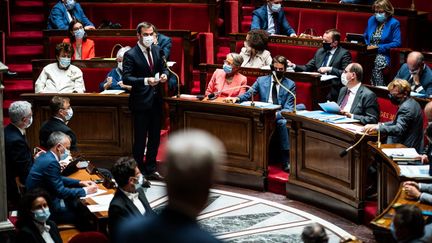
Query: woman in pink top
<point x="228" y="82"/>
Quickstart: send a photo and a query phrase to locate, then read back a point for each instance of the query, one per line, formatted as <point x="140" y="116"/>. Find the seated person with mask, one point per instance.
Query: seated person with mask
<point x="61" y="76"/>
<point x="330" y="59"/>
<point x="64" y="12"/>
<point x="408" y="225"/>
<point x="114" y="78"/>
<point x="129" y="199"/>
<point x="270" y="91"/>
<point x="83" y="46"/>
<point x="65" y="192"/>
<point x="271" y="18"/>
<point x="357" y="101"/>
<point x="407" y="127"/>
<point x="417" y="73"/>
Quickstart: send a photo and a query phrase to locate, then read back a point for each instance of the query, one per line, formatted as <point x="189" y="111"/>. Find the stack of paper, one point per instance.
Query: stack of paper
<point x="415" y="171"/>
<point x="327" y="117"/>
<point x="102" y="203"/>
<point x="402" y="153"/>
<point x="260" y="104"/>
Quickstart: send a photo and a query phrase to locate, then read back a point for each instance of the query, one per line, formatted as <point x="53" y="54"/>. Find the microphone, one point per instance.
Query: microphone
<point x="285" y="88"/>
<point x="345" y="151"/>
<point x="162" y="54"/>
<point x="214" y="95"/>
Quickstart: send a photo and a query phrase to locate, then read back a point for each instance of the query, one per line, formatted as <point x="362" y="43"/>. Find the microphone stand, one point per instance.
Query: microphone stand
<point x="345" y="152"/>
<point x="289" y="91"/>
<point x="175" y="74"/>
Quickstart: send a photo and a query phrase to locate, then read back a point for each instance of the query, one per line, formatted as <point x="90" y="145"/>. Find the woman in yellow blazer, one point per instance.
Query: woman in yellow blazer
<point x="83" y="47"/>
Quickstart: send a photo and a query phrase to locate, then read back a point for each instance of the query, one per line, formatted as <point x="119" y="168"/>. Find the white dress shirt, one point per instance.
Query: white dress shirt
<point x="332" y="51"/>
<point x="352" y="93"/>
<point x="134" y="197"/>
<point x="146" y="54"/>
<point x="270" y="23"/>
<point x="270" y="100"/>
<point x="55" y="80"/>
<point x="44" y="231"/>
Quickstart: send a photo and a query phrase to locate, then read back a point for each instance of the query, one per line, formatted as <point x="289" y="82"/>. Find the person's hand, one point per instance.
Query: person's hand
<point x="416" y="79"/>
<point x="411" y="183"/>
<point x="231" y="100"/>
<point x="424" y="159"/>
<point x="290" y="64"/>
<point x="87" y="183"/>
<point x="63" y="164"/>
<point x="293" y="35"/>
<point x="152" y="81"/>
<point x="163" y="78"/>
<point x="346" y="113"/>
<point x="89" y="27"/>
<point x="370" y="128"/>
<point x="91" y="189"/>
<point x="411" y="192"/>
<point x="120" y="83"/>
<point x="324" y="69"/>
<point x="109" y="81"/>
<point x="39" y="154"/>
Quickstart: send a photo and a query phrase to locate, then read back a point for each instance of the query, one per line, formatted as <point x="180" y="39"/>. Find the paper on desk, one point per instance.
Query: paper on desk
<point x="112" y="91"/>
<point x="330" y="107"/>
<point x="260" y="104"/>
<point x="414" y="171"/>
<point x="170" y="63"/>
<point x="325" y="77"/>
<point x="401" y="153"/>
<point x="103" y="199"/>
<point x="99" y="191"/>
<point x="419" y="95"/>
<point x="98" y="208"/>
<point x="351" y="127"/>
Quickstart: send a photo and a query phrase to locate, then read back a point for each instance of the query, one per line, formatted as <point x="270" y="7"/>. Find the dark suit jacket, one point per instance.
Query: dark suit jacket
<point x="58" y="17"/>
<point x="31" y="234"/>
<point x="262" y="87"/>
<point x="260" y="21"/>
<point x="46" y="174"/>
<point x="341" y="58"/>
<point x="122" y="208"/>
<point x="169" y="226"/>
<point x="425" y="78"/>
<point x="19" y="159"/>
<point x="365" y="105"/>
<point x="135" y="69"/>
<point x="54" y="125"/>
<point x="165" y="43"/>
<point x="407" y="127"/>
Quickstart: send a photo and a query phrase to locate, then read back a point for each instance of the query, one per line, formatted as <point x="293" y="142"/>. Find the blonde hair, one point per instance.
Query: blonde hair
<point x="384" y="5"/>
<point x="402" y="85"/>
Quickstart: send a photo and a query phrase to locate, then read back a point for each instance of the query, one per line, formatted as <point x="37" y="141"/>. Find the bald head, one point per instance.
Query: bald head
<point x="428" y="111"/>
<point x="415" y="61"/>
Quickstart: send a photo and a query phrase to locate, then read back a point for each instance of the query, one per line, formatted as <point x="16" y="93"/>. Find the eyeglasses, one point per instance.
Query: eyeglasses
<point x="78" y="28"/>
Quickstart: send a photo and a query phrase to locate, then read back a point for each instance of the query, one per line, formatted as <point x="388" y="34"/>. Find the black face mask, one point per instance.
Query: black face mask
<point x="326" y="46"/>
<point x="394" y="100"/>
<point x="280" y="74"/>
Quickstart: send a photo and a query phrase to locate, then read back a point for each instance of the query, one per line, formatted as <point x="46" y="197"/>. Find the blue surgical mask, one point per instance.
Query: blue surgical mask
<point x="41" y="215"/>
<point x="65" y="154"/>
<point x="276" y="7"/>
<point x="69" y="114"/>
<point x="70" y="4"/>
<point x="79" y="33"/>
<point x="65" y="62"/>
<point x="140" y="181"/>
<point x="227" y="68"/>
<point x="380" y="17"/>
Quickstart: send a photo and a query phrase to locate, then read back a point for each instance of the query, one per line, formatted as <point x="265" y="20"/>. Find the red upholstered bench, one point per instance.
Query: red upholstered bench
<point x="319" y="20"/>
<point x="93" y="77"/>
<point x="349" y="22"/>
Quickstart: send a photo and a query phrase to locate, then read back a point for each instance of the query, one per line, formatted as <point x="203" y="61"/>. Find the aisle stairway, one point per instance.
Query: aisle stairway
<point x="22" y="45"/>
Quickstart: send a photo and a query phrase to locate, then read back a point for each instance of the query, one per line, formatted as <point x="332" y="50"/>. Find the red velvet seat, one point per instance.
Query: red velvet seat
<point x="89" y="237"/>
<point x="93" y="77"/>
<point x="349" y="22"/>
<point x="292" y="16"/>
<point x="319" y="20"/>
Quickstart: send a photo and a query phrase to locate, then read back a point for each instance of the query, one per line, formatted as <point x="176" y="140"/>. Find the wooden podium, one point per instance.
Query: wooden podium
<point x="318" y="174"/>
<point x="244" y="130"/>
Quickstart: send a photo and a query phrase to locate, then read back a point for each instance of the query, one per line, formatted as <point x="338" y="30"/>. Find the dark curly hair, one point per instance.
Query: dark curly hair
<point x="25" y="214"/>
<point x="66" y="47"/>
<point x="123" y="169"/>
<point x="258" y="39"/>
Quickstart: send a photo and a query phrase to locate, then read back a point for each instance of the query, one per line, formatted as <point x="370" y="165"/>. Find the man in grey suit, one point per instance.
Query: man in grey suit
<point x="407" y="127"/>
<point x="330" y="59"/>
<point x="357" y="101"/>
<point x="417" y="73"/>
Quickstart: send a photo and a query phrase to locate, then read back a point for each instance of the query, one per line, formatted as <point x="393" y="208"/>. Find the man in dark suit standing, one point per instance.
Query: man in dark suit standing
<point x="129" y="199"/>
<point x="61" y="114"/>
<point x="417" y="73"/>
<point x="192" y="161"/>
<point x="357" y="101"/>
<point x="144" y="70"/>
<point x="17" y="151"/>
<point x="407" y="127"/>
<point x="271" y="18"/>
<point x="64" y="191"/>
<point x="330" y="59"/>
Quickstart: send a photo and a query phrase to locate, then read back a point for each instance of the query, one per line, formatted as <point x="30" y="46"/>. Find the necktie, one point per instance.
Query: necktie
<point x="276" y="23"/>
<point x="150" y="61"/>
<point x="275" y="94"/>
<point x="345" y="99"/>
<point x="324" y="63"/>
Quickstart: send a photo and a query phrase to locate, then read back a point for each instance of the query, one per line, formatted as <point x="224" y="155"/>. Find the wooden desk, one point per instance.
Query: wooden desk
<point x="318" y="174"/>
<point x="389" y="191"/>
<point x="102" y="124"/>
<point x="245" y="131"/>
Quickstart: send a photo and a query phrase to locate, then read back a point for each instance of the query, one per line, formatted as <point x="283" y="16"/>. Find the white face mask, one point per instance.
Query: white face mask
<point x="140" y="181"/>
<point x="344" y="79"/>
<point x="30" y="122"/>
<point x="147" y="41"/>
<point x="120" y="66"/>
<point x="275" y="7"/>
<point x="69" y="114"/>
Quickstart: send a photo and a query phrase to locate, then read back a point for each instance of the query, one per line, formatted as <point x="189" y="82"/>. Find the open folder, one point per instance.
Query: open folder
<point x="330" y="107"/>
